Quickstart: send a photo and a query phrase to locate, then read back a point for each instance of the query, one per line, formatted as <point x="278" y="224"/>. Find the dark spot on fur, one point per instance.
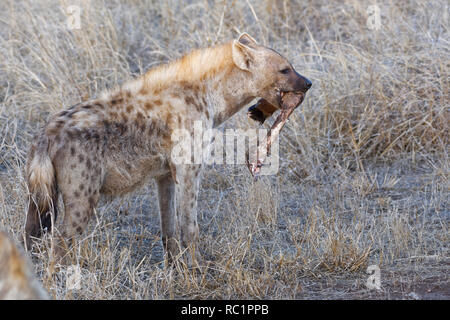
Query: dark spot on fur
<point x="88" y="163"/>
<point x="73" y="106"/>
<point x="116" y="101"/>
<point x="73" y="134"/>
<point x="80" y="158"/>
<point x="92" y="201"/>
<point x="158" y="102"/>
<point x="130" y="108"/>
<point x="79" y="230"/>
<point x="189" y="100"/>
<point x="87" y="134"/>
<point x="76" y="194"/>
<point x="53" y="128"/>
<point x="121" y="128"/>
<point x="148" y="106"/>
<point x="60" y="123"/>
<point x="96" y="136"/>
<point x="107" y="125"/>
<point x="72" y="151"/>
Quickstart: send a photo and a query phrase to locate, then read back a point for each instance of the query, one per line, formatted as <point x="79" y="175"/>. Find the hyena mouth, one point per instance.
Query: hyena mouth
<point x="262" y="109"/>
<point x="291" y="98"/>
<point x="298" y="96"/>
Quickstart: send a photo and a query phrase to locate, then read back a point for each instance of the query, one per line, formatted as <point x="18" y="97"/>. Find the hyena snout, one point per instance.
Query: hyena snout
<point x="301" y="83"/>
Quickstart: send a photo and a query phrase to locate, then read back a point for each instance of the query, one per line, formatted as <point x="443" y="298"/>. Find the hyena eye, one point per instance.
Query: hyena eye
<point x="285" y="71"/>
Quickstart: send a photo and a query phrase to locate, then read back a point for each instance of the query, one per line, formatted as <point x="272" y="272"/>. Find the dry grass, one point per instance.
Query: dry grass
<point x="364" y="169"/>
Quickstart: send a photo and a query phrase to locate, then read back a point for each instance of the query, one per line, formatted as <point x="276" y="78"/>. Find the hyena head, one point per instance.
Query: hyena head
<point x="272" y="74"/>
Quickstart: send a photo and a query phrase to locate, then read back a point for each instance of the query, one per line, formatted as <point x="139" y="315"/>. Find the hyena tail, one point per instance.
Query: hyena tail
<point x="43" y="198"/>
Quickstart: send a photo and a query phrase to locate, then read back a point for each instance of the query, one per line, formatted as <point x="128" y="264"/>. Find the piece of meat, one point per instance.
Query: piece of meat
<point x="289" y="101"/>
<point x="261" y="111"/>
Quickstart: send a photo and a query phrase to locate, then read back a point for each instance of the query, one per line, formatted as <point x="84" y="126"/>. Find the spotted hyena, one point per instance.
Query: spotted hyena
<point x="116" y="143"/>
<point x="17" y="280"/>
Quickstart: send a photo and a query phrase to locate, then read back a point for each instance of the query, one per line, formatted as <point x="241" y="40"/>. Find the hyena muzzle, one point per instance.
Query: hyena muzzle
<point x="113" y="144"/>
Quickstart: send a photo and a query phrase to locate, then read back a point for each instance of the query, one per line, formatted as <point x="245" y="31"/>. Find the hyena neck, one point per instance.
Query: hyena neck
<point x="234" y="91"/>
<point x="228" y="88"/>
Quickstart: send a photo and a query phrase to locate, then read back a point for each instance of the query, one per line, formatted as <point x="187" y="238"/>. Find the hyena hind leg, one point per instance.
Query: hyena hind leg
<point x="79" y="207"/>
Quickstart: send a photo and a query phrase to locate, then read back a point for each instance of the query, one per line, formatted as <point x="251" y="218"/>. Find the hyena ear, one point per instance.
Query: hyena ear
<point x="247" y="40"/>
<point x="244" y="51"/>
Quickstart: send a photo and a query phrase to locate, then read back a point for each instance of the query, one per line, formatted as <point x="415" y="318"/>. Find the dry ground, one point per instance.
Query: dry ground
<point x="364" y="162"/>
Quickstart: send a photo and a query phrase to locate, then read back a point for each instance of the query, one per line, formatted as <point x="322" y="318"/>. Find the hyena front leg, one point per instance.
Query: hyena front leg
<point x="188" y="177"/>
<point x="166" y="197"/>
